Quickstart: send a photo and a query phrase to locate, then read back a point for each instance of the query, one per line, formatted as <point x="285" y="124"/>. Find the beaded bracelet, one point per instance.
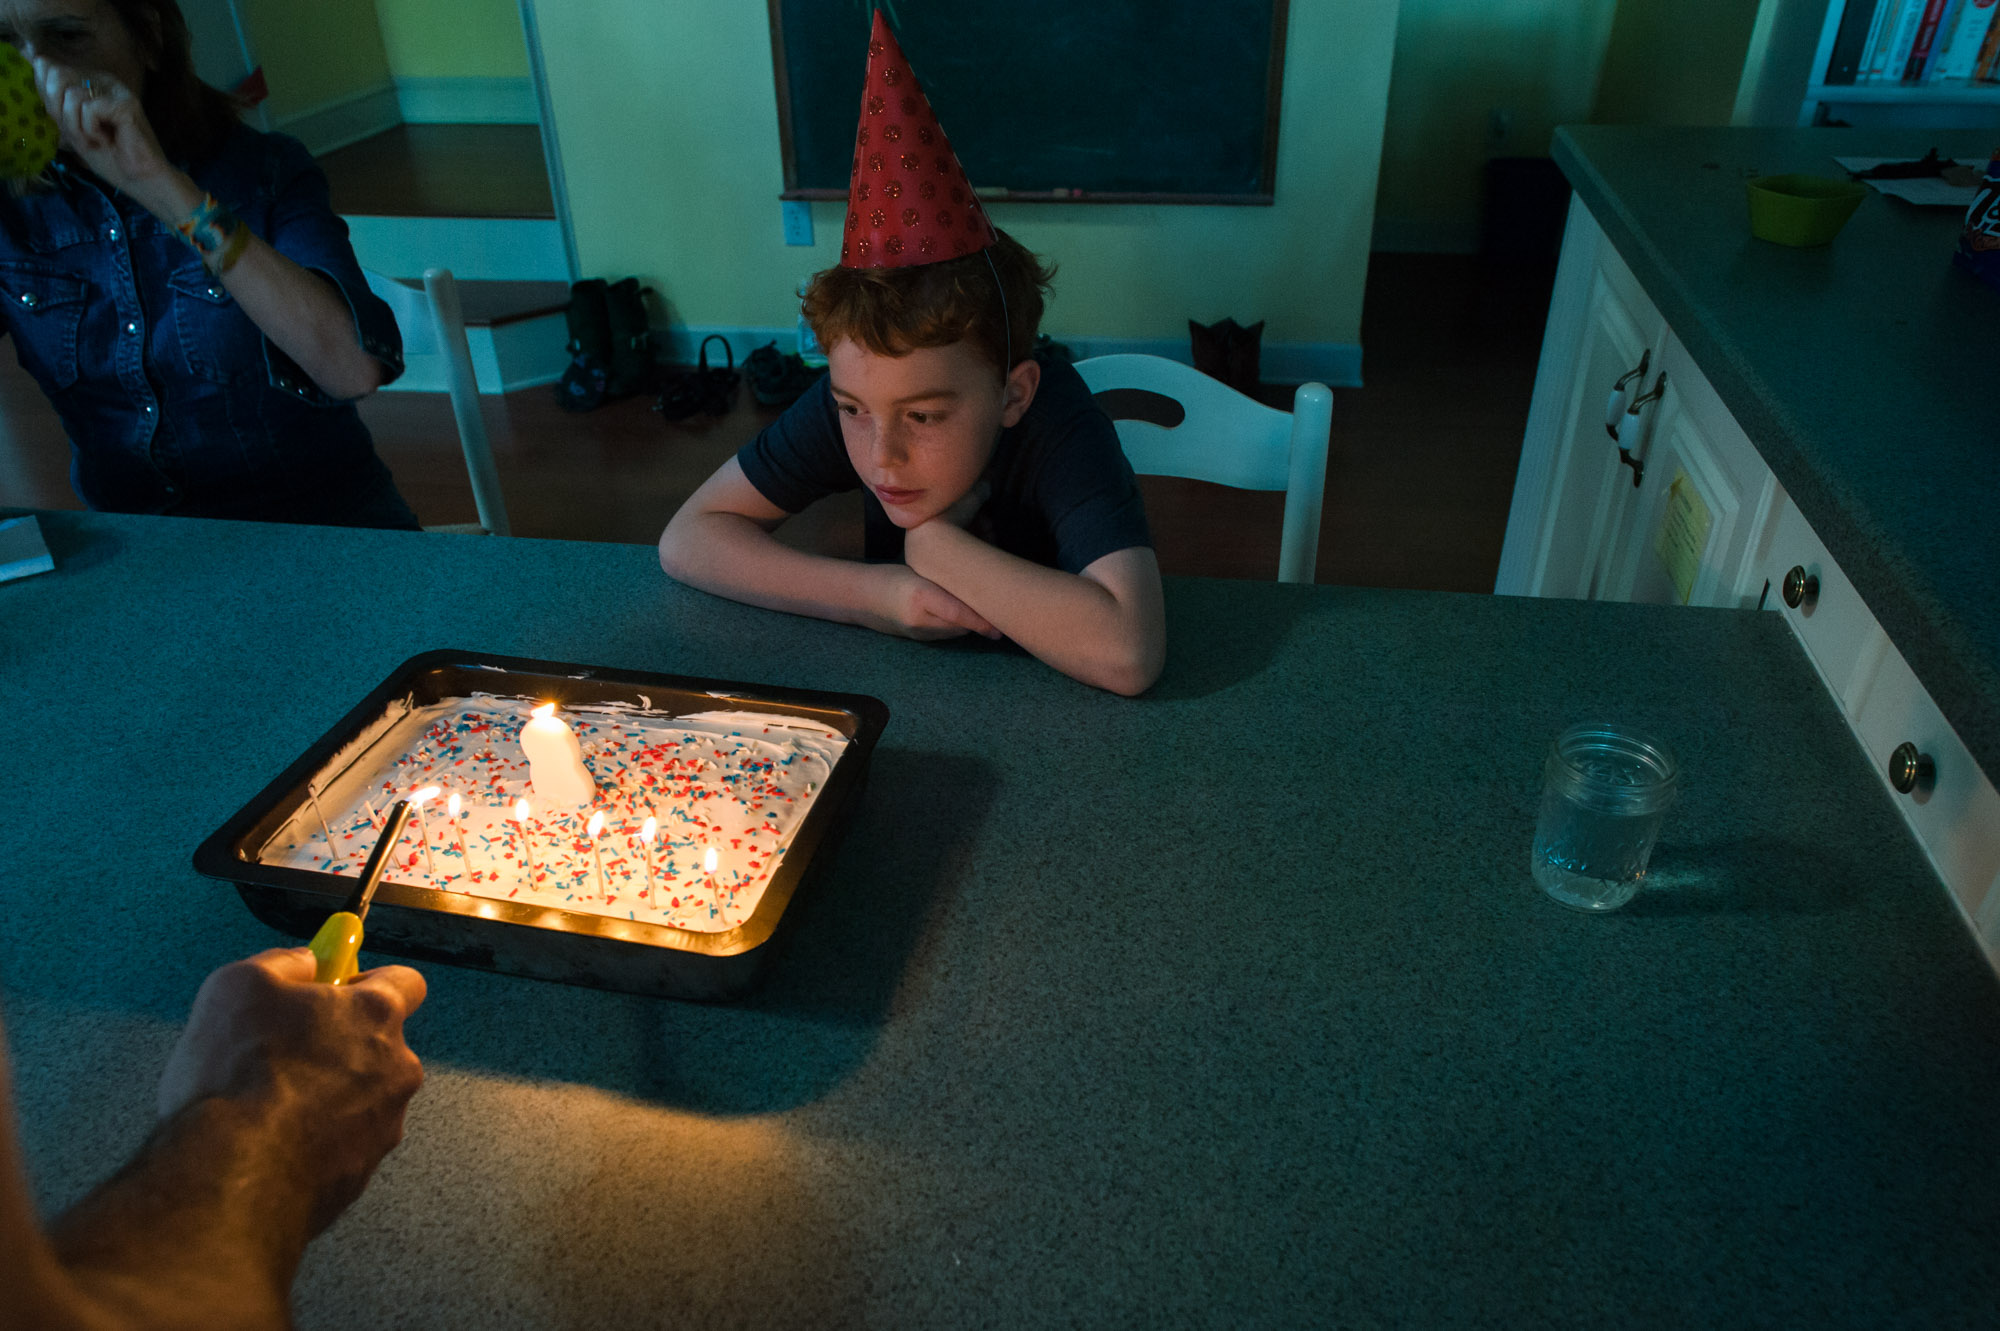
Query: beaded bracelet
<point x="216" y="234"/>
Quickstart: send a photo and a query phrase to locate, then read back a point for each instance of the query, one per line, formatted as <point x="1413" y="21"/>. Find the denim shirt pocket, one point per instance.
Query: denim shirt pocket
<point x="217" y="339"/>
<point x="43" y="311"/>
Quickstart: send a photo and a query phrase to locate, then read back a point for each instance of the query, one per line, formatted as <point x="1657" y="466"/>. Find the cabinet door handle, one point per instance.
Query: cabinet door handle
<point x="1801" y="588"/>
<point x="1626" y="455"/>
<point x="1615" y="406"/>
<point x="1909" y="769"/>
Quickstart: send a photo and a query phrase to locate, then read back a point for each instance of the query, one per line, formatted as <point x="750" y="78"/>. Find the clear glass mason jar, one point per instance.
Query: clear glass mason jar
<point x="1605" y="790"/>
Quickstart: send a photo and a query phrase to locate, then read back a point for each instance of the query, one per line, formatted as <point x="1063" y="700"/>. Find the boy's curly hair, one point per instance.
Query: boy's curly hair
<point x="892" y="311"/>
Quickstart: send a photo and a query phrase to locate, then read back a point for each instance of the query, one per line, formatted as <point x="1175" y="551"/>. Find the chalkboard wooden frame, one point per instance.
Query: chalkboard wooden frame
<point x="1267" y="170"/>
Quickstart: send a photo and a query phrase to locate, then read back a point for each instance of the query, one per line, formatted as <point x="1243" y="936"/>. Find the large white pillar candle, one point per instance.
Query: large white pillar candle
<point x="555" y="759"/>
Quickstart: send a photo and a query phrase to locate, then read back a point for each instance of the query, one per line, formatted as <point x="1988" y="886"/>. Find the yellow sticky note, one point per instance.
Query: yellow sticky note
<point x="1683" y="534"/>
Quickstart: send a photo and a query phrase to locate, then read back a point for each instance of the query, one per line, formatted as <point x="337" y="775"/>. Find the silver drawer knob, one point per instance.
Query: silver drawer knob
<point x="1909" y="769"/>
<point x="1801" y="588"/>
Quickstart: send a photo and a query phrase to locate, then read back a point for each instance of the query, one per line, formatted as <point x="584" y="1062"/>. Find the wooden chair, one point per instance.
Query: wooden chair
<point x="434" y="324"/>
<point x="1223" y="437"/>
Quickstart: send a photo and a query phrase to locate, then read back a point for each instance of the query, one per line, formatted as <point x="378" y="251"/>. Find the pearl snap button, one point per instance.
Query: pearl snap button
<point x="112" y="234"/>
<point x="131" y="325"/>
<point x="28" y="299"/>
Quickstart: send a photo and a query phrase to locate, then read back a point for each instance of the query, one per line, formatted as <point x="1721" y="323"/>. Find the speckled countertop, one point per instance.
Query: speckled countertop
<point x="1232" y="1006"/>
<point x="1867" y="372"/>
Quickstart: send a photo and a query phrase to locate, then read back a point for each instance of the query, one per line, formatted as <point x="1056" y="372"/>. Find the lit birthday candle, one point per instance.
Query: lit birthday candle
<point x="418" y="798"/>
<point x="647" y="832"/>
<point x="708" y="867"/>
<point x="596" y="830"/>
<point x="555" y="759"/>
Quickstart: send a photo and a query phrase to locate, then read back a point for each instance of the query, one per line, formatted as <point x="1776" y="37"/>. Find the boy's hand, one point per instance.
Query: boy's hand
<point x="329" y="1063"/>
<point x="918" y="608"/>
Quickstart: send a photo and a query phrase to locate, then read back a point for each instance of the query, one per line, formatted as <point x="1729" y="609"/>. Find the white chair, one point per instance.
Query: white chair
<point x="434" y="324"/>
<point x="1225" y="438"/>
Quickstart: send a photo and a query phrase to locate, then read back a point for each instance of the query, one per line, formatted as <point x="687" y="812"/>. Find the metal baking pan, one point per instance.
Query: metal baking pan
<point x="545" y="942"/>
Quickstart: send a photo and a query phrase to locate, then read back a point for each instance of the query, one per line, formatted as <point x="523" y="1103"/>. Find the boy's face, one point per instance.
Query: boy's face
<point x="921" y="427"/>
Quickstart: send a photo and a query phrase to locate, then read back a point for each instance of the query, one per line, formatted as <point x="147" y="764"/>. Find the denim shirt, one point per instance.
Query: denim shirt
<point x="174" y="402"/>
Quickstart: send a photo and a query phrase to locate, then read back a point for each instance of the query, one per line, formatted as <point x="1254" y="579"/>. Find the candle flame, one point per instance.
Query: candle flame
<point x="520" y="811"/>
<point x="650" y="830"/>
<point x="708" y="861"/>
<point x="546" y="710"/>
<point x="596" y="822"/>
<point x="451" y="805"/>
<point x="419" y="797"/>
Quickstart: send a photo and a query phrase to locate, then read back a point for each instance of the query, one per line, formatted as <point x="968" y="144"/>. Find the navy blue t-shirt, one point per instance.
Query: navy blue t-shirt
<point x="1063" y="494"/>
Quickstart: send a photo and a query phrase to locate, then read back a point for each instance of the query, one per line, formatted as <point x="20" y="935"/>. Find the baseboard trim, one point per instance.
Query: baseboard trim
<point x="468" y="101"/>
<point x="345" y="120"/>
<point x="1335" y="364"/>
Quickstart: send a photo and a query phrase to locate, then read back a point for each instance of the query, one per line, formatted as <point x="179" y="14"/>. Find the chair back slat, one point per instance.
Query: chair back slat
<point x="1226" y="438"/>
<point x="412" y="308"/>
<point x="433" y="324"/>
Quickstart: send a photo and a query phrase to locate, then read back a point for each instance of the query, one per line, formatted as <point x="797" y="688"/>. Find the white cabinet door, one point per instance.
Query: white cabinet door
<point x="1603" y="341"/>
<point x="1691" y="534"/>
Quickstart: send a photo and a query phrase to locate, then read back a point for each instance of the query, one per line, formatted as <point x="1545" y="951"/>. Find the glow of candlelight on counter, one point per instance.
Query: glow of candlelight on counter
<point x="417" y="800"/>
<point x="555" y="759"/>
<point x="647" y="832"/>
<point x="527" y="842"/>
<point x="596" y="830"/>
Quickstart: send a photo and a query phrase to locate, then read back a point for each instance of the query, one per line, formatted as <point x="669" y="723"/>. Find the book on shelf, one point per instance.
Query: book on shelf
<point x="1926" y="36"/>
<point x="1915" y="42"/>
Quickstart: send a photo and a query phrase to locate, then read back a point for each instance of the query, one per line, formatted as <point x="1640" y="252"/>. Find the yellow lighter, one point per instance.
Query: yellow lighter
<point x="339" y="939"/>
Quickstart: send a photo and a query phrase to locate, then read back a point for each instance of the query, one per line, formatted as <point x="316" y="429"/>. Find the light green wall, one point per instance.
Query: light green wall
<point x="669" y="130"/>
<point x="315" y="53"/>
<point x="1457" y="62"/>
<point x="446" y="39"/>
<point x="1675" y="62"/>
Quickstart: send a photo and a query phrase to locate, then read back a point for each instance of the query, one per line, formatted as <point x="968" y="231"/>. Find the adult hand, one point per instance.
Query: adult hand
<point x="102" y="122"/>
<point x="919" y="608"/>
<point x="327" y="1063"/>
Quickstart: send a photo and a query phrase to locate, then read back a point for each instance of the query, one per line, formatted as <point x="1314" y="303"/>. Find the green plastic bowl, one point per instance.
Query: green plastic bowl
<point x="1801" y="210"/>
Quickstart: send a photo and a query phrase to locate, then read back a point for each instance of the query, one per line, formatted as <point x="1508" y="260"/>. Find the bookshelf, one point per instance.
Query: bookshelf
<point x="1939" y="104"/>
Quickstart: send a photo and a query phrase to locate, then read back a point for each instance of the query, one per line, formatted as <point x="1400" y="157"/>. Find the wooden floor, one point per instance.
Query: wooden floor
<point x="1419" y="476"/>
<point x="443" y="171"/>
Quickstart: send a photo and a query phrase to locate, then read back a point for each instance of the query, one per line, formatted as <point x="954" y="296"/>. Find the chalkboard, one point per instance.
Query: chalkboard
<point x="1109" y="101"/>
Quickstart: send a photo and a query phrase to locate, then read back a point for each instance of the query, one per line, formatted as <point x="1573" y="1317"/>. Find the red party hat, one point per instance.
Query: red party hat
<point x="908" y="201"/>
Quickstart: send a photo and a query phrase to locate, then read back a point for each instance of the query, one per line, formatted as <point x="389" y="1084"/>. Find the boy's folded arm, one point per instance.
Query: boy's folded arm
<point x="1105" y="626"/>
<point x="721" y="542"/>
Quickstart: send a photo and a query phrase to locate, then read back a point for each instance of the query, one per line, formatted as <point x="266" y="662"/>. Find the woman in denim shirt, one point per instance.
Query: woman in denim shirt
<point x="183" y="292"/>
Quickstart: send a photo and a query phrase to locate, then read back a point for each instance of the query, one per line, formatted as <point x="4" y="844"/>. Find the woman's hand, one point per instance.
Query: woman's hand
<point x="103" y="123"/>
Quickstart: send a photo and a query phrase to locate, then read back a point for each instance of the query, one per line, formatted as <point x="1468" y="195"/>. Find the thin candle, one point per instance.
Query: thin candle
<point x="417" y="800"/>
<point x="452" y="806"/>
<point x="596" y="829"/>
<point x="646" y="835"/>
<point x="527" y="842"/>
<point x="313" y="795"/>
<point x="708" y="867"/>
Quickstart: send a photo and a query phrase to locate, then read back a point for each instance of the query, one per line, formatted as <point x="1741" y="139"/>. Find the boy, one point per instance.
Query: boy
<point x="993" y="476"/>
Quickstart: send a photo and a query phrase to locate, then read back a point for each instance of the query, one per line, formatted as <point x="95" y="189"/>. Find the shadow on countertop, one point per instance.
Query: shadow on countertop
<point x="812" y="1018"/>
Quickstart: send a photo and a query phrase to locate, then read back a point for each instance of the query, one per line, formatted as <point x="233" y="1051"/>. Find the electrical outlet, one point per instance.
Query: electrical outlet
<point x="798" y="221"/>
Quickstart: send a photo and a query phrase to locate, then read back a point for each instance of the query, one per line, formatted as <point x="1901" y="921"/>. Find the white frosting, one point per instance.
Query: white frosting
<point x="737" y="783"/>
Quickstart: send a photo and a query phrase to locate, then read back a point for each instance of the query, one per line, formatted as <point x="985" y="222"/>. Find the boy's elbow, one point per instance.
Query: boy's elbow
<point x="673" y="550"/>
<point x="1131" y="673"/>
